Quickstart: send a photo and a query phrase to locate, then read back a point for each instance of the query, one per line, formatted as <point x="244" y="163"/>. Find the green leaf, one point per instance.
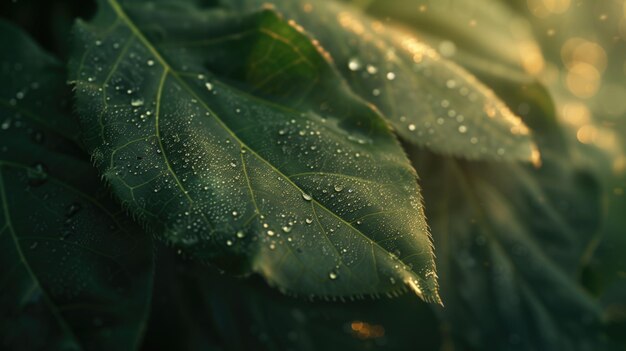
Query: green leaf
<point x="278" y="169"/>
<point x="24" y="91"/>
<point x="429" y="100"/>
<point x="76" y="273"/>
<point x="48" y="22"/>
<point x="512" y="242"/>
<point x="481" y="35"/>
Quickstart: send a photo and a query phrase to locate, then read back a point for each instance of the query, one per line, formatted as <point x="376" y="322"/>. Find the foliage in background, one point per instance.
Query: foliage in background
<point x="249" y="137"/>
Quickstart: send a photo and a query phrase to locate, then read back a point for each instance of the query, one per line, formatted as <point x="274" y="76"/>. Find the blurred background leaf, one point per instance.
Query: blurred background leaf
<point x="76" y="271"/>
<point x="218" y="312"/>
<point x="48" y="22"/>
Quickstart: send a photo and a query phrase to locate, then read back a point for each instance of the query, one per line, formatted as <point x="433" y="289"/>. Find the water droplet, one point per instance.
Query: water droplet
<point x="447" y="48"/>
<point x="150" y="63"/>
<point x="391" y="76"/>
<point x="286" y="229"/>
<point x="338" y="188"/>
<point x="462" y="129"/>
<point x="309" y="220"/>
<point x="37" y="175"/>
<point x="412" y="127"/>
<point x="372" y="69"/>
<point x="235" y="213"/>
<point x="270" y="233"/>
<point x="72" y="210"/>
<point x="6" y="124"/>
<point x="229" y="242"/>
<point x="332" y="275"/>
<point x="136" y="102"/>
<point x="354" y="64"/>
<point x="241" y="234"/>
<point x="209" y="86"/>
<point x="307" y="197"/>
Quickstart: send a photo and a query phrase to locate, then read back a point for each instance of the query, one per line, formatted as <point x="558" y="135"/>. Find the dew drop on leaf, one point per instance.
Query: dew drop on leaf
<point x="72" y="210"/>
<point x="6" y="124"/>
<point x="354" y="64"/>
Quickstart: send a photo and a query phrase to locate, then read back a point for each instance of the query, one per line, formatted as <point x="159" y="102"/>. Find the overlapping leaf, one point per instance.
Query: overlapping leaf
<point x="512" y="242"/>
<point x="429" y="100"/>
<point x="481" y="35"/>
<point x="76" y="273"/>
<point x="273" y="165"/>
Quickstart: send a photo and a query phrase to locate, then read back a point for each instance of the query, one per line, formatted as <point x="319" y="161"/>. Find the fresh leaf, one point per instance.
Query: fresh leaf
<point x="302" y="183"/>
<point x="429" y="100"/>
<point x="76" y="272"/>
<point x="481" y="35"/>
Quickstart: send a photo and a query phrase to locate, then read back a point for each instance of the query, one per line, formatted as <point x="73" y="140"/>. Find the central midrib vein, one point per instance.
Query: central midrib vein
<point x="169" y="70"/>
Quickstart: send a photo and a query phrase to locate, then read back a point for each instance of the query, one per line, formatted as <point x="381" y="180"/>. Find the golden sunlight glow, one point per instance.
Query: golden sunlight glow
<point x="577" y="50"/>
<point x="532" y="59"/>
<point x="363" y="330"/>
<point x="585" y="62"/>
<point x="587" y="134"/>
<point x="418" y="49"/>
<point x="556" y="6"/>
<point x="576" y="114"/>
<point x="583" y="80"/>
<point x="348" y="21"/>
<point x="544" y="8"/>
<point x="535" y="157"/>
